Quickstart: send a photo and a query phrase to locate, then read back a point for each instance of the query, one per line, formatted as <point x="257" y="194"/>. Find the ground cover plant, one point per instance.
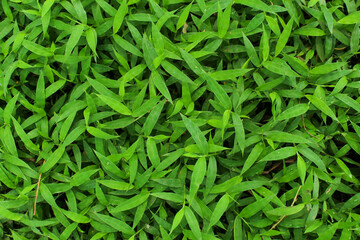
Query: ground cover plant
<point x="179" y="120"/>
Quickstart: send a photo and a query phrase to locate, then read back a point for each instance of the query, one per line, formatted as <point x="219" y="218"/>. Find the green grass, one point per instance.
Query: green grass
<point x="179" y="120"/>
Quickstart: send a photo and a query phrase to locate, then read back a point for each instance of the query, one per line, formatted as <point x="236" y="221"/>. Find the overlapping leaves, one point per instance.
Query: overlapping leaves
<point x="205" y="119"/>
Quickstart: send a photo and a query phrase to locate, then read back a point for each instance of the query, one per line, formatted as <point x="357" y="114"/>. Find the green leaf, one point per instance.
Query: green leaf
<point x="168" y="196"/>
<point x="193" y="223"/>
<point x="161" y="85"/>
<point x="223" y="187"/>
<point x="53" y="159"/>
<point x="53" y="88"/>
<point x="10" y="215"/>
<point x="9" y="141"/>
<point x="170" y="159"/>
<point x="257" y="4"/>
<point x="322" y="106"/>
<point x="23" y="136"/>
<point x="194" y="65"/>
<point x="76" y="217"/>
<point x="81" y="177"/>
<point x="219" y="210"/>
<point x="115" y="104"/>
<point x="279" y="136"/>
<point x="352" y="203"/>
<point x="152" y="152"/>
<point x="214" y="86"/>
<point x="286" y="211"/>
<point x="117" y="185"/>
<point x="196" y="135"/>
<point x="75" y="36"/>
<point x="127" y="46"/>
<point x="270" y="85"/>
<point x="301" y="166"/>
<point x="109" y="166"/>
<point x="99" y="133"/>
<point x="351" y="18"/>
<point x="328" y="17"/>
<point x="131" y="203"/>
<point x="115" y="223"/>
<point x="145" y="107"/>
<point x="219" y="91"/>
<point x="158" y="41"/>
<point x="91" y="38"/>
<point x="326" y="68"/>
<point x="177" y="219"/>
<point x="9" y="109"/>
<point x="74" y="134"/>
<point x="225" y="121"/>
<point x="255" y="207"/>
<point x="253" y="156"/>
<point x="8" y="74"/>
<point x="238" y="234"/>
<point x="106" y="7"/>
<point x="251" y="51"/>
<point x="133" y="73"/>
<point x="239" y="131"/>
<point x="152" y="119"/>
<point x="255" y="22"/>
<point x="66" y="126"/>
<point x="229" y="74"/>
<point x="149" y="53"/>
<point x="20" y="36"/>
<point x="210" y="175"/>
<point x="293" y="111"/>
<point x="7" y="9"/>
<point x="40" y="92"/>
<point x="284" y="37"/>
<point x="183" y="16"/>
<point x="37" y="49"/>
<point x="197" y="177"/>
<point x="264" y="49"/>
<point x="348" y="101"/>
<point x="343" y="166"/>
<point x="281" y="153"/>
<point x="273" y="24"/>
<point x="175" y="72"/>
<point x="309" y="154"/>
<point x="280" y="67"/>
<point x="119" y="16"/>
<point x="4" y="178"/>
<point x="308" y="31"/>
<point x="47" y="195"/>
<point x="223" y="20"/>
<point x="329" y="232"/>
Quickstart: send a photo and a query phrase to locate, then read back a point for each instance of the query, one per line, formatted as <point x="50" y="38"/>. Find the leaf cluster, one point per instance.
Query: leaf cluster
<point x="148" y="119"/>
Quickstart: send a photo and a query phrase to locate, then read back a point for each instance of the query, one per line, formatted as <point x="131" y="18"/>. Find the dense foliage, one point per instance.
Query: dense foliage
<point x="148" y="119"/>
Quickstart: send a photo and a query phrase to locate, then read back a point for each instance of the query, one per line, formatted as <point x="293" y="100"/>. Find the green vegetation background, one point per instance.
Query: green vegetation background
<point x="179" y="120"/>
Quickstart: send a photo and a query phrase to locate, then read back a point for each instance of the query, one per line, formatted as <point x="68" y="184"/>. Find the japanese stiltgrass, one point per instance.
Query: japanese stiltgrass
<point x="179" y="119"/>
